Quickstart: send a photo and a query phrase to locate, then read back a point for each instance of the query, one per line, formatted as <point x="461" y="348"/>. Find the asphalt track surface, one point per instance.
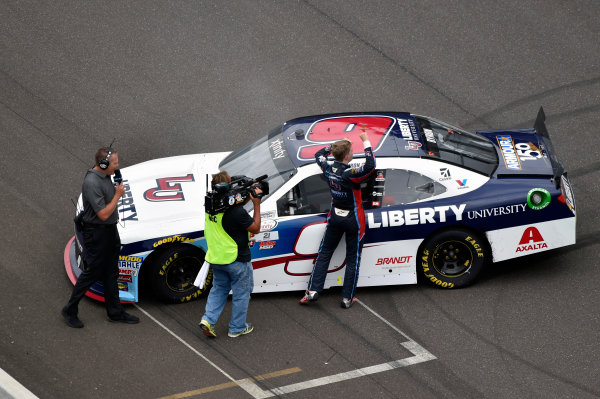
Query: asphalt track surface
<point x="171" y="78"/>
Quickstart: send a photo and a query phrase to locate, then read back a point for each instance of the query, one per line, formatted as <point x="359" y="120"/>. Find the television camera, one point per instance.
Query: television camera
<point x="225" y="195"/>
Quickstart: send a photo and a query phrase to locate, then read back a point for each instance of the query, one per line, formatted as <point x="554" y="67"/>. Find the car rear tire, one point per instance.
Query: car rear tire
<point x="173" y="271"/>
<point x="453" y="258"/>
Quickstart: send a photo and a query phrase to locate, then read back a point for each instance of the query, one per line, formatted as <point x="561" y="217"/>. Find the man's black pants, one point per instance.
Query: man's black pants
<point x="103" y="245"/>
<point x="336" y="227"/>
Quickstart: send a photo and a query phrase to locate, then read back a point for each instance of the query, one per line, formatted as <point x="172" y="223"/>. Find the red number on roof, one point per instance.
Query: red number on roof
<point x="330" y="130"/>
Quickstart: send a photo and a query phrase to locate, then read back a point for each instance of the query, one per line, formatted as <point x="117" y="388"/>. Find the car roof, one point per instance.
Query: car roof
<point x="392" y="134"/>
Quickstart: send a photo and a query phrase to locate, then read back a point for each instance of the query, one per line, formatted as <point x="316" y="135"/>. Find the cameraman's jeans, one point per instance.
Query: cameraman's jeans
<point x="239" y="278"/>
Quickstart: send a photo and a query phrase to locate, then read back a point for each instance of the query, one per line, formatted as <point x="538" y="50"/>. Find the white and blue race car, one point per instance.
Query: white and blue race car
<point x="442" y="203"/>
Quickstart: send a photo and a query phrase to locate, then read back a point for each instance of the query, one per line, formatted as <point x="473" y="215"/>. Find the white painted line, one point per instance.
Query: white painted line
<point x="11" y="388"/>
<point x="384" y="320"/>
<point x="190" y="347"/>
<point x="183" y="342"/>
<point x="420" y="355"/>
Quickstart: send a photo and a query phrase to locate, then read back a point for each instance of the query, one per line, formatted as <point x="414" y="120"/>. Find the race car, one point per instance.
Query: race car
<point x="441" y="204"/>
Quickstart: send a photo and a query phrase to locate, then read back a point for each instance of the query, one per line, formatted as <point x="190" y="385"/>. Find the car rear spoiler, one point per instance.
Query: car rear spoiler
<point x="557" y="167"/>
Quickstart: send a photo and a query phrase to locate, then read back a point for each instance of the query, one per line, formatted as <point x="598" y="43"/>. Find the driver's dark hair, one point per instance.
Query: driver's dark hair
<point x="221" y="177"/>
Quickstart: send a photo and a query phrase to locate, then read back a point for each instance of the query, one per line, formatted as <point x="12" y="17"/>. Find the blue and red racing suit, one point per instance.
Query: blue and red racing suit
<point x="346" y="216"/>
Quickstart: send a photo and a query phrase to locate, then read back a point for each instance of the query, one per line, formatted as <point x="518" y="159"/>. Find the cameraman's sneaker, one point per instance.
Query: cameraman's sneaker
<point x="347" y="302"/>
<point x="207" y="329"/>
<point x="309" y="296"/>
<point x="249" y="328"/>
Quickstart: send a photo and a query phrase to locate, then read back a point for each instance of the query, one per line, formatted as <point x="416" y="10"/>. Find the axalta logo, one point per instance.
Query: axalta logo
<point x="393" y="260"/>
<point x="531" y="241"/>
<point x="414" y="216"/>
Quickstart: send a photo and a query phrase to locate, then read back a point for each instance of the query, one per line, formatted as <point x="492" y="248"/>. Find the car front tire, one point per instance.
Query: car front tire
<point x="173" y="272"/>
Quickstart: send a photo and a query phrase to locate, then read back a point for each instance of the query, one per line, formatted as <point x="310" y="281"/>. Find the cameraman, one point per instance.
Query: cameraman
<point x="229" y="255"/>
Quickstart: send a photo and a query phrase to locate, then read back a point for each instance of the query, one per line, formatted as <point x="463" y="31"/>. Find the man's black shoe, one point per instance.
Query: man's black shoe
<point x="72" y="321"/>
<point x="125" y="318"/>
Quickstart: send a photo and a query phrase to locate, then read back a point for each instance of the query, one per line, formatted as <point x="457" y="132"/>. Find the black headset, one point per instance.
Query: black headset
<point x="104" y="163"/>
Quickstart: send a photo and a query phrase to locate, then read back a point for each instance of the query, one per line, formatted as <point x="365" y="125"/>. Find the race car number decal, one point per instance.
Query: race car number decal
<point x="168" y="189"/>
<point x="330" y="130"/>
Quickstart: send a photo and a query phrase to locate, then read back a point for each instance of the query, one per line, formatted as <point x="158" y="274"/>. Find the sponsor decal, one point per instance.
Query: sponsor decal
<point x="413" y="145"/>
<point x="538" y="198"/>
<point x="168" y="189"/>
<point x="376" y="204"/>
<point x="413" y="216"/>
<point x="266" y="245"/>
<point x="265" y="236"/>
<point x="125" y="278"/>
<point x="277" y="149"/>
<point x="123" y="287"/>
<point x="497" y="211"/>
<point x="429" y="135"/>
<point x="129" y="265"/>
<point x="407" y="129"/>
<point x="268" y="215"/>
<point x="130" y="258"/>
<point x="462" y="183"/>
<point x="393" y="260"/>
<point x="128" y="272"/>
<point x="176" y="238"/>
<point x="267" y="224"/>
<point x="380" y="176"/>
<point x="509" y="153"/>
<point x="531" y="240"/>
<point x="126" y="205"/>
<point x="528" y="151"/>
<point x="445" y="173"/>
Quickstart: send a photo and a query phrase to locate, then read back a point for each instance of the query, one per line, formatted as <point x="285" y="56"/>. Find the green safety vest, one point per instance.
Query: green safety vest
<point x="222" y="249"/>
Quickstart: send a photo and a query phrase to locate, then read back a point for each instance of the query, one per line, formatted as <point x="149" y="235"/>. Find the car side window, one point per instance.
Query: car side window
<point x="310" y="196"/>
<point x="405" y="186"/>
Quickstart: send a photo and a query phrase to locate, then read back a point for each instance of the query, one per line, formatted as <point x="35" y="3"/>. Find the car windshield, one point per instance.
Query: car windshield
<point x="266" y="156"/>
<point x="458" y="146"/>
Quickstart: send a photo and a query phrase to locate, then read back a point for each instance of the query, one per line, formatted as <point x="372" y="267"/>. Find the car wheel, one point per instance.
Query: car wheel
<point x="453" y="258"/>
<point x="174" y="270"/>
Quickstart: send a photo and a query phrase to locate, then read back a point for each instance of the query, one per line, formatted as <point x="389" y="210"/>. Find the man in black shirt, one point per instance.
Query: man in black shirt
<point x="100" y="239"/>
<point x="229" y="255"/>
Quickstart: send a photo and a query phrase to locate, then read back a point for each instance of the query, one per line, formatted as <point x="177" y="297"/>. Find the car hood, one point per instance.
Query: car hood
<point x="165" y="197"/>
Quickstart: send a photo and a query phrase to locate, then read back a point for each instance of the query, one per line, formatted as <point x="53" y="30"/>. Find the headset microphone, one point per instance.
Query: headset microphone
<point x="118" y="178"/>
<point x="105" y="162"/>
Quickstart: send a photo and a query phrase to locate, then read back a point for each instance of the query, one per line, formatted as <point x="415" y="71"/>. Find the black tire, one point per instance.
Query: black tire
<point x="453" y="258"/>
<point x="173" y="271"/>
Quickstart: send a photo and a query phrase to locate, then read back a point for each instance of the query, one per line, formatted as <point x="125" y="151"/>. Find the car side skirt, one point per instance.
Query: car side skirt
<point x="514" y="242"/>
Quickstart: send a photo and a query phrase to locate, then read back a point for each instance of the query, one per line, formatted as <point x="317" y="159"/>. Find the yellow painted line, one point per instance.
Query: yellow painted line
<point x="231" y="384"/>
